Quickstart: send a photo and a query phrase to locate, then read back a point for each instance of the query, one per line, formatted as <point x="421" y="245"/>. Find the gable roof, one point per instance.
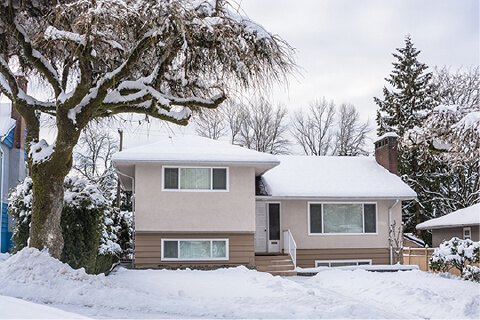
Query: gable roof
<point x="463" y="217"/>
<point x="334" y="177"/>
<point x="193" y="150"/>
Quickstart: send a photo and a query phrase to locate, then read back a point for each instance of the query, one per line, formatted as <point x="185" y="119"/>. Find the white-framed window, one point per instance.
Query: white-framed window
<point x="341" y="263"/>
<point x="467" y="233"/>
<point x="342" y="218"/>
<point x="194" y="249"/>
<point x="195" y="179"/>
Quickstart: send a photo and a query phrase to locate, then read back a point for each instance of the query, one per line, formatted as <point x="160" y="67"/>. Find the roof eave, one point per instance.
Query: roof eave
<point x="402" y="198"/>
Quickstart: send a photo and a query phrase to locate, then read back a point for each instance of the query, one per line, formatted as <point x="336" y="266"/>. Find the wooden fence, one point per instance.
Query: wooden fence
<point x="418" y="256"/>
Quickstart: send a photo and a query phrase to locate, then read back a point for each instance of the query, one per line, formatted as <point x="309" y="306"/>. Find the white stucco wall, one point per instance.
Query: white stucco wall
<point x="181" y="211"/>
<point x="294" y="216"/>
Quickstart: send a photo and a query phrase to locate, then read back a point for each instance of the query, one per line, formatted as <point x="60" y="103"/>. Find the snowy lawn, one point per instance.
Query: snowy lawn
<point x="230" y="293"/>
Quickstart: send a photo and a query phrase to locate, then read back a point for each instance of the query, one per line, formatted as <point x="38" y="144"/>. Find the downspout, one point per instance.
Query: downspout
<point x="390" y="233"/>
<point x="133" y="213"/>
<point x="1" y="192"/>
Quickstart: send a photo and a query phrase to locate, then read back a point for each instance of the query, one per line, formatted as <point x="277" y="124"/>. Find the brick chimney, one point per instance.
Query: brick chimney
<point x="386" y="152"/>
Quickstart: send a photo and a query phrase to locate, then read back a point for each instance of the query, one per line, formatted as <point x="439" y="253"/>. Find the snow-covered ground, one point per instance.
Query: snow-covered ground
<point x="227" y="293"/>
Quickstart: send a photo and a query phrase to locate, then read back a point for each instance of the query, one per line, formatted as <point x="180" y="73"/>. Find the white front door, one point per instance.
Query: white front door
<point x="260" y="227"/>
<point x="273" y="227"/>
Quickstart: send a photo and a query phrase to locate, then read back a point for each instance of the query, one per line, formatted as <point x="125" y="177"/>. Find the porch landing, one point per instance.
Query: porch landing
<point x="277" y="265"/>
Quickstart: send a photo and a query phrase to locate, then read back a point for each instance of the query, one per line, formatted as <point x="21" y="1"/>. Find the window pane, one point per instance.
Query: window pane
<point x="220" y="179"/>
<point x="195" y="178"/>
<point x="194" y="249"/>
<point x="322" y="264"/>
<point x="342" y="218"/>
<point x="219" y="249"/>
<point x="370" y="218"/>
<point x="170" y="249"/>
<point x="364" y="263"/>
<point x="315" y="218"/>
<point x="171" y="178"/>
<point x="342" y="264"/>
<point x="274" y="221"/>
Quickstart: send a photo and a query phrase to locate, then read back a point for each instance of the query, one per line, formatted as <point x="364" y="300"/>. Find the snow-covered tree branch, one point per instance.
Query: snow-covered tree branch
<point x="101" y="58"/>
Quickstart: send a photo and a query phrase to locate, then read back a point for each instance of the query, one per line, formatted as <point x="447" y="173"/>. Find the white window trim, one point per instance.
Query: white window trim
<point x="343" y="234"/>
<point x="469" y="231"/>
<point x="197" y="259"/>
<point x="195" y="190"/>
<point x="342" y="261"/>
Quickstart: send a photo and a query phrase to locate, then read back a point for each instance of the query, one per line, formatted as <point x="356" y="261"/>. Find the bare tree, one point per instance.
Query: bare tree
<point x="235" y="115"/>
<point x="102" y="58"/>
<point x="211" y="123"/>
<point x="313" y="129"/>
<point x="262" y="128"/>
<point x="92" y="156"/>
<point x="350" y="139"/>
<point x="460" y="88"/>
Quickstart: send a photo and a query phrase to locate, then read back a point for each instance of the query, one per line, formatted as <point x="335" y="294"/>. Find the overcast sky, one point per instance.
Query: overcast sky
<point x="344" y="47"/>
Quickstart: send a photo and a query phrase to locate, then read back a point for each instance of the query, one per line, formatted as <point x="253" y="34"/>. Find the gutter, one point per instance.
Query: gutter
<point x="1" y="190"/>
<point x="133" y="213"/>
<point x="390" y="234"/>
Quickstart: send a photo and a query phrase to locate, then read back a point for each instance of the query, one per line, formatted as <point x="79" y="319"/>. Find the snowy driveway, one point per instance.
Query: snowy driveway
<point x="236" y="292"/>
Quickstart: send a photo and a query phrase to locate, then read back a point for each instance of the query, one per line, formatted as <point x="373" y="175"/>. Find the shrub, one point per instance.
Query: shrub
<point x="88" y="228"/>
<point x="459" y="254"/>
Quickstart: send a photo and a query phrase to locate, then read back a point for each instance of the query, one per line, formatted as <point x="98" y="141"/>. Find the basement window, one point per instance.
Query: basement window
<point x="341" y="263"/>
<point x="194" y="249"/>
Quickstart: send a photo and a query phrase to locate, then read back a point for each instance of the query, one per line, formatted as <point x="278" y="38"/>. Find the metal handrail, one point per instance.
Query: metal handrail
<point x="290" y="246"/>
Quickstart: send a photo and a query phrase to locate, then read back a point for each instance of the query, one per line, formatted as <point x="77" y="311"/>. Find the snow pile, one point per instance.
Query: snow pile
<point x="4" y="256"/>
<point x="13" y="308"/>
<point x="236" y="292"/>
<point x="415" y="293"/>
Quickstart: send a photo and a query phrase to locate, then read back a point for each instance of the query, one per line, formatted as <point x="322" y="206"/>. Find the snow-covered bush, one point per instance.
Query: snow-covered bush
<point x="459" y="254"/>
<point x="89" y="231"/>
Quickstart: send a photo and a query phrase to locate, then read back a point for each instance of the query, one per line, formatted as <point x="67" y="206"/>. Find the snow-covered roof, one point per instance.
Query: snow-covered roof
<point x="195" y="150"/>
<point x="334" y="177"/>
<point x="6" y="121"/>
<point x="387" y="135"/>
<point x="463" y="217"/>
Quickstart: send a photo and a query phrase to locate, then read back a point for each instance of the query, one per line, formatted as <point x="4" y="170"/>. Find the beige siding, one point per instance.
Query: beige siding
<point x="148" y="249"/>
<point x="294" y="216"/>
<point x="306" y="257"/>
<point x="207" y="211"/>
<point x="439" y="235"/>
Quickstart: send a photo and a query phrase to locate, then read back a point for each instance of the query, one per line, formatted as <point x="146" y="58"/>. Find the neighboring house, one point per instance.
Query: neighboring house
<point x="12" y="165"/>
<point x="463" y="224"/>
<point x="206" y="202"/>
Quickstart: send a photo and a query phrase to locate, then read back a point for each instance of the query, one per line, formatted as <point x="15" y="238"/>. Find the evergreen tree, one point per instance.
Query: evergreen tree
<point x="405" y="105"/>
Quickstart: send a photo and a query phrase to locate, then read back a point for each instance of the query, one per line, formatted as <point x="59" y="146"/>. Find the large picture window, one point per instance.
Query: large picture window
<point x="188" y="178"/>
<point x="188" y="249"/>
<point x="350" y="218"/>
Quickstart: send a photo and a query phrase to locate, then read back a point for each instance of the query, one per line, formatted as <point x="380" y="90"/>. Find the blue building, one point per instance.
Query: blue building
<point x="12" y="165"/>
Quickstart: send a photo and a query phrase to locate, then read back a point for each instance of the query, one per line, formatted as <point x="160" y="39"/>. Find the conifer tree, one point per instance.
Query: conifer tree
<point x="405" y="105"/>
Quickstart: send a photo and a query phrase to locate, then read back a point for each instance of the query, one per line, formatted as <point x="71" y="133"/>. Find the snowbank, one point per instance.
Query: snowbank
<point x="236" y="292"/>
<point x="13" y="308"/>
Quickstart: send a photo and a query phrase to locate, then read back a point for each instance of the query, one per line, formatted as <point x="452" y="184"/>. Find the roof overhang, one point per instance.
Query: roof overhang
<point x="331" y="198"/>
<point x="460" y="225"/>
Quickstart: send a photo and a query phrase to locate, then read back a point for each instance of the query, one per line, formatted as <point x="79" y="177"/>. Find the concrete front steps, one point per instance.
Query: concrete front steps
<point x="277" y="265"/>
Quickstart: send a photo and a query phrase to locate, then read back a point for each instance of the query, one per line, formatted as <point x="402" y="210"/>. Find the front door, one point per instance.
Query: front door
<point x="267" y="229"/>
<point x="274" y="227"/>
<point x="260" y="227"/>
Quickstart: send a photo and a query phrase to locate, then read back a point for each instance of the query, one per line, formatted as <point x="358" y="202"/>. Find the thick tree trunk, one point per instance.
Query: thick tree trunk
<point x="45" y="230"/>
